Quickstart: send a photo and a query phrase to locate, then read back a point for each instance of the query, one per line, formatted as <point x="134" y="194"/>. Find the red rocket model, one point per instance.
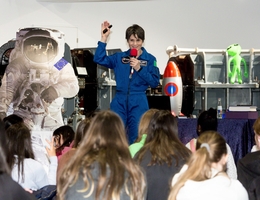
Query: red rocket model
<point x="172" y="87"/>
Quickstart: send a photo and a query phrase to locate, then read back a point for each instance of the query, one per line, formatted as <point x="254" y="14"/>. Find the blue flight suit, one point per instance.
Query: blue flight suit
<point x="130" y="100"/>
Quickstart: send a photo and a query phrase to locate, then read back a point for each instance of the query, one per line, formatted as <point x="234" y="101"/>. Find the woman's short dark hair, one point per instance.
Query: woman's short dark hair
<point x="135" y="30"/>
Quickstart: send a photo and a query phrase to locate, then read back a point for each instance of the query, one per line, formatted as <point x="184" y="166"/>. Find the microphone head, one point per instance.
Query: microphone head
<point x="133" y="52"/>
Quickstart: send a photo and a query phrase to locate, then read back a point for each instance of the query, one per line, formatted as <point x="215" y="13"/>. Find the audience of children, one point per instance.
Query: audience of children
<point x="102" y="167"/>
<point x="95" y="162"/>
<point x="142" y="131"/>
<point x="204" y="176"/>
<point x="9" y="189"/>
<point x="207" y="120"/>
<point x="162" y="155"/>
<point x="248" y="167"/>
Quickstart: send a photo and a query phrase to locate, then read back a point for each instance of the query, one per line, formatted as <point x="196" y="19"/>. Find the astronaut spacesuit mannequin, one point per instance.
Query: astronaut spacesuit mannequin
<point x="37" y="79"/>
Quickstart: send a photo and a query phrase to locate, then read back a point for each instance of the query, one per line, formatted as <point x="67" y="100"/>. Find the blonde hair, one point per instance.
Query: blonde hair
<point x="199" y="164"/>
<point x="144" y="123"/>
<point x="104" y="144"/>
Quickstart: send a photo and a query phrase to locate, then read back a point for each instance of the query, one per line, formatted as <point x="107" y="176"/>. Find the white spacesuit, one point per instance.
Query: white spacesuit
<point x="37" y="79"/>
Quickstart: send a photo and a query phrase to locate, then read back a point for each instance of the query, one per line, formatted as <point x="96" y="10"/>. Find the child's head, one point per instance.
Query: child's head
<point x="63" y="136"/>
<point x="19" y="147"/>
<point x="12" y="119"/>
<point x="144" y="122"/>
<point x="207" y="121"/>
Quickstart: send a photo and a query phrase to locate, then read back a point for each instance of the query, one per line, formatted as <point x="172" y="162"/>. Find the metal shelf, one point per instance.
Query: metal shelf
<point x="211" y="80"/>
<point x="226" y="85"/>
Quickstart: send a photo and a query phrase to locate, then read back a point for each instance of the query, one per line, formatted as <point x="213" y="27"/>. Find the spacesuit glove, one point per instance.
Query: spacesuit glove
<point x="49" y="94"/>
<point x="2" y="115"/>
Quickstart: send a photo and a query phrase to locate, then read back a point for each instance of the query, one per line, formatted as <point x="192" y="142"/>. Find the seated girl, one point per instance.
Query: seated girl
<point x="28" y="172"/>
<point x="204" y="176"/>
<point x="63" y="138"/>
<point x="102" y="167"/>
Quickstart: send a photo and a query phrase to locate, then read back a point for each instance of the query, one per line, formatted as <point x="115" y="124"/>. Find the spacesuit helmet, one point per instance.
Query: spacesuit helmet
<point x="42" y="45"/>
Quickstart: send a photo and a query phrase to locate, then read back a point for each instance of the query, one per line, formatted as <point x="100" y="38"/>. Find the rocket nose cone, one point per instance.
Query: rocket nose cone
<point x="171" y="70"/>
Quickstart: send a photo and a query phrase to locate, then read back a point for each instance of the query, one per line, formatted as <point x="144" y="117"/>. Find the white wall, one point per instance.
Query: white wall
<point x="186" y="23"/>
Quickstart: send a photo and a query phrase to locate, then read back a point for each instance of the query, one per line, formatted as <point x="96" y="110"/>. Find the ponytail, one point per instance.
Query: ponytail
<point x="199" y="169"/>
<point x="210" y="148"/>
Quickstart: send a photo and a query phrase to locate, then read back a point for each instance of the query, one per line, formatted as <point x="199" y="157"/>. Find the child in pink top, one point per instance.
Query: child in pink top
<point x="63" y="138"/>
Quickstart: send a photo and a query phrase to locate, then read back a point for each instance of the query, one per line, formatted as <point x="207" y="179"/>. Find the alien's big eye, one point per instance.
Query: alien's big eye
<point x="228" y="48"/>
<point x="235" y="44"/>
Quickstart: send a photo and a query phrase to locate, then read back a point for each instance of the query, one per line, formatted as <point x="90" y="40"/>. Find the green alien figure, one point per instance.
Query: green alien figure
<point x="234" y="51"/>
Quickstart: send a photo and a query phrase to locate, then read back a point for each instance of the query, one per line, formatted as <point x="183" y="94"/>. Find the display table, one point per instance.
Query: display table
<point x="238" y="133"/>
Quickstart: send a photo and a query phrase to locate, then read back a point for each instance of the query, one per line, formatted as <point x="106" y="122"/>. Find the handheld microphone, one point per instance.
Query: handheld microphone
<point x="105" y="30"/>
<point x="133" y="53"/>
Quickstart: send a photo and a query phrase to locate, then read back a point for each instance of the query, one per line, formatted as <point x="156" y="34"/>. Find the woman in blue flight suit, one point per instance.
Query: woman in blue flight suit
<point x="133" y="75"/>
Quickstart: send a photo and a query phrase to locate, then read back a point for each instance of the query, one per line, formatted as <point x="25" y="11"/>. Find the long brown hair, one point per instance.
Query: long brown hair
<point x="19" y="146"/>
<point x="199" y="165"/>
<point x="162" y="140"/>
<point x="81" y="131"/>
<point x="144" y="123"/>
<point x="105" y="144"/>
